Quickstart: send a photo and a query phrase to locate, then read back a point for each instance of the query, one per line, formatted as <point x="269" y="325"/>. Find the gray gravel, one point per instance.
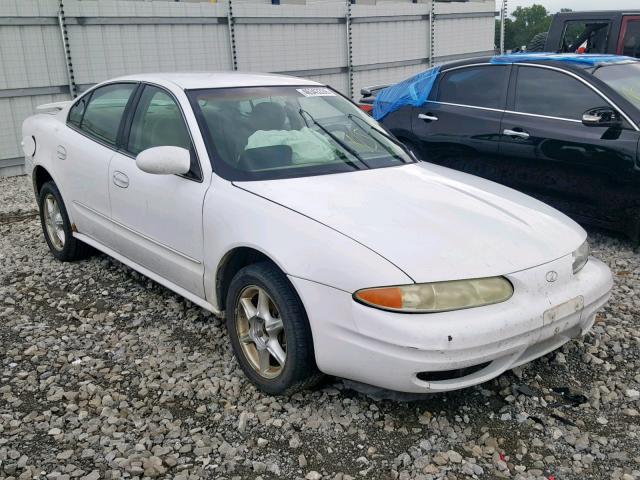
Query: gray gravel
<point x="105" y="374"/>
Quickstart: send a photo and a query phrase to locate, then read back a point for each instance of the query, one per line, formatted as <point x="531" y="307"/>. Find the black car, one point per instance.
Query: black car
<point x="564" y="131"/>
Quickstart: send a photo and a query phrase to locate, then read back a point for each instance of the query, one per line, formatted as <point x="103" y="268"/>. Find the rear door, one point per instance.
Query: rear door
<point x="460" y="126"/>
<point x="84" y="151"/>
<point x="630" y="37"/>
<point x="583" y="170"/>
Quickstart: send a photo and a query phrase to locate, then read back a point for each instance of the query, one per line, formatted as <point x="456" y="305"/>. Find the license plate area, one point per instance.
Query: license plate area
<point x="563" y="310"/>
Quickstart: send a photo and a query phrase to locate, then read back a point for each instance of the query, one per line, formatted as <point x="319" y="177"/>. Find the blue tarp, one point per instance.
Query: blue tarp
<point x="584" y="59"/>
<point x="415" y="90"/>
<point x="412" y="91"/>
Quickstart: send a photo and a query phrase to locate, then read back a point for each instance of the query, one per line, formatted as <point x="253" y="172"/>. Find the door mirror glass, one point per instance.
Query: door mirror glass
<point x="164" y="160"/>
<point x="602" y="117"/>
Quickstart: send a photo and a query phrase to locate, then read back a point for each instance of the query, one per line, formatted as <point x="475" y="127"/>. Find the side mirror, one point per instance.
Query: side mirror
<point x="602" y="117"/>
<point x="164" y="160"/>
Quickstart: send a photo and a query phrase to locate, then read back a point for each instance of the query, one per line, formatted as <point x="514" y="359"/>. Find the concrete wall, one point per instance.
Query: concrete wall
<point x="346" y="46"/>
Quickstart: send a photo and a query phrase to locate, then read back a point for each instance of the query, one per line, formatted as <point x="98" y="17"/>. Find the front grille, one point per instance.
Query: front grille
<point x="451" y="374"/>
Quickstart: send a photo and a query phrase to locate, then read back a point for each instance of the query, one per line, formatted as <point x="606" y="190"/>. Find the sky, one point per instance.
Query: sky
<point x="555" y="5"/>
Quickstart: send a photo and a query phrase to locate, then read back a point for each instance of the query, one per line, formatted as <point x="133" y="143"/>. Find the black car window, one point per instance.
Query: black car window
<point x="481" y="86"/>
<point x="551" y="93"/>
<point x="104" y="110"/>
<point x="631" y="40"/>
<point x="158" y="122"/>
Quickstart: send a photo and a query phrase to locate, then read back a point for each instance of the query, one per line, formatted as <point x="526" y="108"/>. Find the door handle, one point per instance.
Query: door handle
<point x="120" y="179"/>
<point x="516" y="133"/>
<point x="428" y="117"/>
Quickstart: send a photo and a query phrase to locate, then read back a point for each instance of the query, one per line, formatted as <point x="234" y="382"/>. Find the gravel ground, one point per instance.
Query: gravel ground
<point x="105" y="374"/>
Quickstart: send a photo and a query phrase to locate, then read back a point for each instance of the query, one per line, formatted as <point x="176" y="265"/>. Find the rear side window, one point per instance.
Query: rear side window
<point x="104" y="110"/>
<point x="541" y="91"/>
<point x="631" y="40"/>
<point x="483" y="86"/>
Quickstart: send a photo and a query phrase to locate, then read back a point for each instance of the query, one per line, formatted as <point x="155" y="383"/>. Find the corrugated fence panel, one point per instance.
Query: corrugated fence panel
<point x="390" y="40"/>
<point x="13" y="111"/>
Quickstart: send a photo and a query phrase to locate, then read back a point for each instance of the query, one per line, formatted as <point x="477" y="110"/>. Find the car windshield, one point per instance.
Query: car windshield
<point x="624" y="79"/>
<point x="266" y="133"/>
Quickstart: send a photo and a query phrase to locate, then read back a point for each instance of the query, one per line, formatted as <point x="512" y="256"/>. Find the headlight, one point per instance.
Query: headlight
<point x="580" y="256"/>
<point x="438" y="296"/>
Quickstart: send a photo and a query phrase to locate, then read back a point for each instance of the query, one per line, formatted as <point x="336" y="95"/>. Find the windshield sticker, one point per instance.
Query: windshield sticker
<point x="316" y="92"/>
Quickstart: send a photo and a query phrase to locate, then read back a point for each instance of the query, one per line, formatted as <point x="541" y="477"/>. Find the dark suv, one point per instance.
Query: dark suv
<point x="564" y="131"/>
<point x="591" y="32"/>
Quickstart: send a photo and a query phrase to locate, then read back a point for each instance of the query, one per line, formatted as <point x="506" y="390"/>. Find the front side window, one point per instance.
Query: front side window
<point x="541" y="91"/>
<point x="585" y="37"/>
<point x="623" y="78"/>
<point x="158" y="122"/>
<point x="482" y="86"/>
<point x="265" y="133"/>
<point x="104" y="110"/>
<point x="631" y="39"/>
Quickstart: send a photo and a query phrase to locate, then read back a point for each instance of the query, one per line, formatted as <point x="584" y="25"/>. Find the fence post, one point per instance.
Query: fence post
<point x="432" y="33"/>
<point x="73" y="88"/>
<point x="503" y="19"/>
<point x="232" y="35"/>
<point x="349" y="49"/>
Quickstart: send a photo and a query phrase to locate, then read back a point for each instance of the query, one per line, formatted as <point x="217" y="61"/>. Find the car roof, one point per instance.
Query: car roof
<point x="198" y="80"/>
<point x="567" y="60"/>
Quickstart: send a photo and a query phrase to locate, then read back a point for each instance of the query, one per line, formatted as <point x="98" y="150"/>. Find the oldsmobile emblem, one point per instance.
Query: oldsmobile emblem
<point x="552" y="276"/>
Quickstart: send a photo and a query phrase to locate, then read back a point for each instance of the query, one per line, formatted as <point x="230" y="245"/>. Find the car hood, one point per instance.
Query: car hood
<point x="431" y="222"/>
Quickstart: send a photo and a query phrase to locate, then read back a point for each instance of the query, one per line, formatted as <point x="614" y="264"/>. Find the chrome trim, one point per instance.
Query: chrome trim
<point x="135" y="232"/>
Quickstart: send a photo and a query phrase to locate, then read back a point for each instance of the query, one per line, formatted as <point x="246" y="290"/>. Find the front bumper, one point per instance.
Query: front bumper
<point x="389" y="350"/>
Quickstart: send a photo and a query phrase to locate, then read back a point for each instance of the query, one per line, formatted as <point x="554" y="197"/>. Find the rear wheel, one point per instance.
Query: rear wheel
<point x="57" y="227"/>
<point x="269" y="331"/>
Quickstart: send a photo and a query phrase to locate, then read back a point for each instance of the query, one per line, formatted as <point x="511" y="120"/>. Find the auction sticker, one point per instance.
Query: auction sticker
<point x="316" y="92"/>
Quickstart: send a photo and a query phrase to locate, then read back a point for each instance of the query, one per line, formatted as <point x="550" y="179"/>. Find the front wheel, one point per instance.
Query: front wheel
<point x="269" y="331"/>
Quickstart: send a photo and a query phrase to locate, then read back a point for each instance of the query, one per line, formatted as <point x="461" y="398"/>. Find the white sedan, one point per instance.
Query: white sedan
<point x="326" y="244"/>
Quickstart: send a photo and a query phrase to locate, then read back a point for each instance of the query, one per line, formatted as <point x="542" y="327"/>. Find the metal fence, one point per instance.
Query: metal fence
<point x="51" y="50"/>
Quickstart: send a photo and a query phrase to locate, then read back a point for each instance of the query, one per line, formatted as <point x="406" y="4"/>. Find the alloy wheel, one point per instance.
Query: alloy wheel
<point x="54" y="222"/>
<point x="261" y="332"/>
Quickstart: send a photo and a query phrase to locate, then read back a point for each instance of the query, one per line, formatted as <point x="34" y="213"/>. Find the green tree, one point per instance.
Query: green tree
<point x="527" y="22"/>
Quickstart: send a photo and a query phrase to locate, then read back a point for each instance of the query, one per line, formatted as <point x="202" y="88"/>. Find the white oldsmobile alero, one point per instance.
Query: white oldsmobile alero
<point x="327" y="244"/>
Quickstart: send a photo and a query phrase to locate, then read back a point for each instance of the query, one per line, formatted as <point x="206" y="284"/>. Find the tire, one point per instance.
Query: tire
<point x="250" y="338"/>
<point x="538" y="42"/>
<point x="64" y="247"/>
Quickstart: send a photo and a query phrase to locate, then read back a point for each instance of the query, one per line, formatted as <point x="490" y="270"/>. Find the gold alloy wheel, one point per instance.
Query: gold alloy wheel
<point x="53" y="222"/>
<point x="261" y="332"/>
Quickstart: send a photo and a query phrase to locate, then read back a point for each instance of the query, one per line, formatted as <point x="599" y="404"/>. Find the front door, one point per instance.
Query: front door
<point x="158" y="218"/>
<point x="586" y="171"/>
<point x="460" y="126"/>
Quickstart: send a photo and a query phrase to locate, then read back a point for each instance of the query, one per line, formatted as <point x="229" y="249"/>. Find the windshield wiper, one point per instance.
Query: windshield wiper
<point x="335" y="139"/>
<point x="397" y="142"/>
